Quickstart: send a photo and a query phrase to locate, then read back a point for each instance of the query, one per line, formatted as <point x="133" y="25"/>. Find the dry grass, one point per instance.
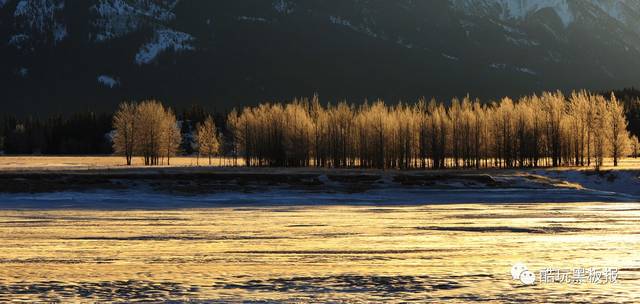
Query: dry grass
<point x="9" y="163"/>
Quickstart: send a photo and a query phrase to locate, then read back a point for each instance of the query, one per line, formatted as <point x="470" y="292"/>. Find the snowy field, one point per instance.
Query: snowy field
<point x="318" y="254"/>
<point x="306" y="235"/>
<point x="104" y="183"/>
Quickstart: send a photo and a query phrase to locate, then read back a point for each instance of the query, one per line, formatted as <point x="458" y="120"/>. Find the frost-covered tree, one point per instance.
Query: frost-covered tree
<point x="600" y="122"/>
<point x="616" y="132"/>
<point x="208" y="141"/>
<point x="150" y="133"/>
<point x="635" y="146"/>
<point x="171" y="135"/>
<point x="125" y="126"/>
<point x="546" y="130"/>
<point x="235" y="138"/>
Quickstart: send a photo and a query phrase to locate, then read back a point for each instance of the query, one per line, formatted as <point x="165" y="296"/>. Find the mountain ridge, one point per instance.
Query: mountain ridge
<point x="222" y="54"/>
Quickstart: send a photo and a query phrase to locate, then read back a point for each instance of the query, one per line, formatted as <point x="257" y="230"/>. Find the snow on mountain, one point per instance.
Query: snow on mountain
<point x="513" y="46"/>
<point x="515" y="9"/>
<point x="38" y="18"/>
<point x="116" y="18"/>
<point x="108" y="81"/>
<point x="18" y="41"/>
<point x="37" y="15"/>
<point x="59" y="32"/>
<point x="23" y="72"/>
<point x="625" y="11"/>
<point x="504" y="66"/>
<point x="283" y="6"/>
<point x="337" y="20"/>
<point x="164" y="40"/>
<point x="252" y="19"/>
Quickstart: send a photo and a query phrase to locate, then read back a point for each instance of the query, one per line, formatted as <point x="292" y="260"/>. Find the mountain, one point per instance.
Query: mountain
<point x="71" y="55"/>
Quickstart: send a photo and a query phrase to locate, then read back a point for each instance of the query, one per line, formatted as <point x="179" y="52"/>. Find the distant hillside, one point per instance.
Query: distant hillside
<point x="61" y="56"/>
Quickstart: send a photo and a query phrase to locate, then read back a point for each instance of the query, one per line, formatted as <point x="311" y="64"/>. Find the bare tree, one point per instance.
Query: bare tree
<point x="235" y="135"/>
<point x="617" y="132"/>
<point x="150" y="131"/>
<point x="635" y="146"/>
<point x="600" y="122"/>
<point x="125" y="124"/>
<point x="208" y="143"/>
<point x="546" y="130"/>
<point x="171" y="137"/>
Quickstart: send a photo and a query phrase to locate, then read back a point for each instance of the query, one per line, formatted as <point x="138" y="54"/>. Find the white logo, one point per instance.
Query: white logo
<point x="527" y="278"/>
<point x="520" y="272"/>
<point x="517" y="269"/>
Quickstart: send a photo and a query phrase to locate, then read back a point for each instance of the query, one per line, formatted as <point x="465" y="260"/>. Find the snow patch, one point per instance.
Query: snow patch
<point x="23" y="72"/>
<point x="522" y="41"/>
<point x="337" y="20"/>
<point x="116" y="18"/>
<point x="504" y="66"/>
<point x="527" y="71"/>
<point x="164" y="40"/>
<point x="108" y="81"/>
<point x="283" y="7"/>
<point x="403" y="43"/>
<point x="252" y="19"/>
<point x="18" y="41"/>
<point x="515" y="9"/>
<point x="450" y="57"/>
<point x="617" y="181"/>
<point x="40" y="16"/>
<point x="59" y="32"/>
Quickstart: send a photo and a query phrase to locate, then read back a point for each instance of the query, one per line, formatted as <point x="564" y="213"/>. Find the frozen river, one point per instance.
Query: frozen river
<point x="319" y="253"/>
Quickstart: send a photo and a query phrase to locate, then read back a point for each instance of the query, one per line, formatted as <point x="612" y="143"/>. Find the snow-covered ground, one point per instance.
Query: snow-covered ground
<point x="387" y="190"/>
<point x="620" y="182"/>
<point x="318" y="254"/>
<point x="104" y="183"/>
<point x="122" y="200"/>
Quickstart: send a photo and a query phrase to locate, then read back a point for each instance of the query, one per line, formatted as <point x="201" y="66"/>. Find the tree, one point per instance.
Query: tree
<point x="600" y="122"/>
<point x="635" y="146"/>
<point x="150" y="131"/>
<point x="554" y="107"/>
<point x="172" y="137"/>
<point x="235" y="135"/>
<point x="617" y="131"/>
<point x="533" y="131"/>
<point x="208" y="143"/>
<point x="125" y="125"/>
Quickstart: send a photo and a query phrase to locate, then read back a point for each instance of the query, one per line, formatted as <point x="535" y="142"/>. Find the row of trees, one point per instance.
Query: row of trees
<point x="147" y="129"/>
<point x="547" y="130"/>
<point x="150" y="130"/>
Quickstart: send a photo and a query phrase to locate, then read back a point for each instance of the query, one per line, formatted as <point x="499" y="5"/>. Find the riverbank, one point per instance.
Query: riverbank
<point x="186" y="188"/>
<point x="200" y="180"/>
<point x="28" y="179"/>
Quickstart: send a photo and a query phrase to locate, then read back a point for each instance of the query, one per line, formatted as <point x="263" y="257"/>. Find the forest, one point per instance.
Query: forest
<point x="545" y="130"/>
